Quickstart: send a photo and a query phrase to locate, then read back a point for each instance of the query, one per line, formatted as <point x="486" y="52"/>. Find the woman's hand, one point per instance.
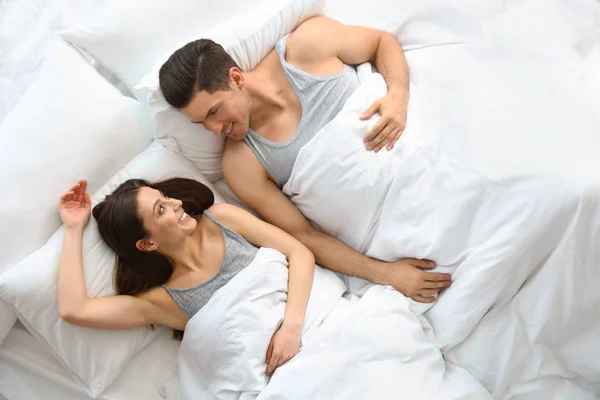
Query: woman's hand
<point x="284" y="345"/>
<point x="75" y="206"/>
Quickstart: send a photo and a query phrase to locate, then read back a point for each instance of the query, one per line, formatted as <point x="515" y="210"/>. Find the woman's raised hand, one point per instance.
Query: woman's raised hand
<point x="75" y="206"/>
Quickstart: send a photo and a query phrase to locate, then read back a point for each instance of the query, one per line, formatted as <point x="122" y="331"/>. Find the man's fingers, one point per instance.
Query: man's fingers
<point x="374" y="131"/>
<point x="437" y="285"/>
<point x="429" y="292"/>
<point x="369" y="112"/>
<point x="382" y="139"/>
<point x="397" y="135"/>
<point x="423" y="299"/>
<point x="437" y="277"/>
<point x="426" y="264"/>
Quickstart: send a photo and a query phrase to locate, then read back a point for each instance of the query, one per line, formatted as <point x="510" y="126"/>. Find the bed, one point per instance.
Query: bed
<point x="29" y="371"/>
<point x="558" y="39"/>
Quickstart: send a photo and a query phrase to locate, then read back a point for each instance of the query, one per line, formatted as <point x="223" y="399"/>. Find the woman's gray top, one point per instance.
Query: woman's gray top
<point x="239" y="253"/>
<point x="321" y="99"/>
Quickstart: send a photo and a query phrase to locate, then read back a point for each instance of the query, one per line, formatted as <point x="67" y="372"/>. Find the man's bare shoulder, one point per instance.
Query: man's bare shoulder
<point x="306" y="41"/>
<point x="239" y="160"/>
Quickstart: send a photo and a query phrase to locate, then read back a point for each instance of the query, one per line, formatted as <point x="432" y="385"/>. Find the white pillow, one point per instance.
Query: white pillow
<point x="7" y="319"/>
<point x="70" y="123"/>
<point x="127" y="36"/>
<point x="95" y="357"/>
<point x="417" y="24"/>
<point x="247" y="38"/>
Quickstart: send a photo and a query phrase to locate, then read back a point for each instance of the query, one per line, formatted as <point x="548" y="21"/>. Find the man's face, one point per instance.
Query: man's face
<point x="225" y="112"/>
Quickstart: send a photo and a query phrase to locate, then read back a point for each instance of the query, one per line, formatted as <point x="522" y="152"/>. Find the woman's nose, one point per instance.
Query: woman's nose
<point x="176" y="203"/>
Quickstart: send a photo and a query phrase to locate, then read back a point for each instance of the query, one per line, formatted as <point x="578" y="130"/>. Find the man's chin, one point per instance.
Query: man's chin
<point x="237" y="137"/>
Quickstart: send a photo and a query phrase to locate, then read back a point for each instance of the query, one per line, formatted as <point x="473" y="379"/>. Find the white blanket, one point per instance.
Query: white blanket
<point x="368" y="348"/>
<point x="497" y="179"/>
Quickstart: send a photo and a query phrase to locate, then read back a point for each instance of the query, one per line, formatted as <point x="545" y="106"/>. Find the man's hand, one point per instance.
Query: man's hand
<point x="387" y="130"/>
<point x="407" y="277"/>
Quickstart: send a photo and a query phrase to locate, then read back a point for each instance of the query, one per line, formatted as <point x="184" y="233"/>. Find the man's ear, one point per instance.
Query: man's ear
<point x="236" y="77"/>
<point x="146" y="245"/>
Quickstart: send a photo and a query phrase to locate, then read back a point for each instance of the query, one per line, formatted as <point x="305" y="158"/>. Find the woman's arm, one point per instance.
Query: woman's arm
<point x="112" y="312"/>
<point x="301" y="264"/>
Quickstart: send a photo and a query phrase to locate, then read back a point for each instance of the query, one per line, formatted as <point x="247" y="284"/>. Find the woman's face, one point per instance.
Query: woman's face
<point x="164" y="219"/>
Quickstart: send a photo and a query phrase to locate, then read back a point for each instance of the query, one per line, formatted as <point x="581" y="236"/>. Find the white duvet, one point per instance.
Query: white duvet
<point x="497" y="179"/>
<point x="367" y="348"/>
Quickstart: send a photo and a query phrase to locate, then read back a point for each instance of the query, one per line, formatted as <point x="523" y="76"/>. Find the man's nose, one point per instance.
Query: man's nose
<point x="215" y="127"/>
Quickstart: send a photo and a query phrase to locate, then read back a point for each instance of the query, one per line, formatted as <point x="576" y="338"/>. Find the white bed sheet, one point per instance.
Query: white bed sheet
<point x="28" y="371"/>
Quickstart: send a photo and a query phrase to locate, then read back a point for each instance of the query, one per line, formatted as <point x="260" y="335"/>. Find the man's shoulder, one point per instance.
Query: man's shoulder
<point x="238" y="158"/>
<point x="306" y="41"/>
<point x="312" y="27"/>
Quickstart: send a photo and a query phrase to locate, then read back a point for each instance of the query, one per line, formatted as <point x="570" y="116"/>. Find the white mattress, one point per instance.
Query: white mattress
<point x="28" y="371"/>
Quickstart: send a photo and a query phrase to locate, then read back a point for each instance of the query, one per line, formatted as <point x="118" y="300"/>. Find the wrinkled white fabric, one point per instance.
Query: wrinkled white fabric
<point x="497" y="179"/>
<point x="367" y="348"/>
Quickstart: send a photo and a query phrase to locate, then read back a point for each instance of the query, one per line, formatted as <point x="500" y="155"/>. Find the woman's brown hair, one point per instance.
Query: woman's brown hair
<point x="120" y="226"/>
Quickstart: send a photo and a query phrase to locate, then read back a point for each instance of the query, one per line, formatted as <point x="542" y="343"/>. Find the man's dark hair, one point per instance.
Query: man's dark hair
<point x="199" y="65"/>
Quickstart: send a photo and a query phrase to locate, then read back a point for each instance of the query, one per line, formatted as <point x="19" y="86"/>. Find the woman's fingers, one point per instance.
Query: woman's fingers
<point x="78" y="193"/>
<point x="87" y="202"/>
<point x="281" y="359"/>
<point x="274" y="363"/>
<point x="82" y="189"/>
<point x="66" y="197"/>
<point x="269" y="352"/>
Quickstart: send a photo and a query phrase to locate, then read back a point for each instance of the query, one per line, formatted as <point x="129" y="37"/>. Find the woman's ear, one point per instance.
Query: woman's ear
<point x="146" y="245"/>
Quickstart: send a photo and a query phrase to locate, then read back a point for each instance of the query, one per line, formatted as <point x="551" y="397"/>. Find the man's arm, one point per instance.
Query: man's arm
<point x="250" y="182"/>
<point x="356" y="45"/>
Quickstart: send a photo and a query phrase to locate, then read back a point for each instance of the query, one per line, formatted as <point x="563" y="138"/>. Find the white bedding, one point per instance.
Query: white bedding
<point x="497" y="179"/>
<point x="26" y="30"/>
<point x="29" y="371"/>
<point x="512" y="113"/>
<point x="367" y="348"/>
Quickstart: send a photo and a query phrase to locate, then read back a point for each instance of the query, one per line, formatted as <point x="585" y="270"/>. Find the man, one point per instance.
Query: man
<point x="268" y="113"/>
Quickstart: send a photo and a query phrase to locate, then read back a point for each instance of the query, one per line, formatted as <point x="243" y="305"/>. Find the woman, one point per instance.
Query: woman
<point x="175" y="248"/>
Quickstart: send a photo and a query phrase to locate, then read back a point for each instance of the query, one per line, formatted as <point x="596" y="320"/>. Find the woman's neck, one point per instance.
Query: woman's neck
<point x="188" y="256"/>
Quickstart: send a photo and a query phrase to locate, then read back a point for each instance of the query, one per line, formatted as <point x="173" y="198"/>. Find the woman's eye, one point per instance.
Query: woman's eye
<point x="213" y="111"/>
<point x="161" y="209"/>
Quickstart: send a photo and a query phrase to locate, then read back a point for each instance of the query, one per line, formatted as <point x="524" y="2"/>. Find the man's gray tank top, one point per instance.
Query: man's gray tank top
<point x="321" y="99"/>
<point x="239" y="253"/>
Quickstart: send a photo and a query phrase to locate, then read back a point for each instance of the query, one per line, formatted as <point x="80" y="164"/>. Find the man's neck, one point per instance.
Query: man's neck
<point x="267" y="97"/>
